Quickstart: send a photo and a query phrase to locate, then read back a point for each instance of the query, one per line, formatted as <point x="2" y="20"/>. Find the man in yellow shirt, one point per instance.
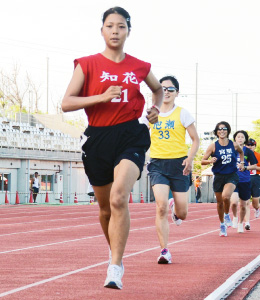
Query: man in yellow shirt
<point x="170" y="165"/>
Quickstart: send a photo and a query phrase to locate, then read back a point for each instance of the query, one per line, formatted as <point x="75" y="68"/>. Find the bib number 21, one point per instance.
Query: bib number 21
<point x="124" y="96"/>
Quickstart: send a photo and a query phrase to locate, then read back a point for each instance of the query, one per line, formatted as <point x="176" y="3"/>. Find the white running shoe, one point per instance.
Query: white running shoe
<point x="240" y="228"/>
<point x="114" y="276"/>
<point x="109" y="257"/>
<point x="235" y="222"/>
<point x="257" y="213"/>
<point x="227" y="220"/>
<point x="223" y="230"/>
<point x="175" y="219"/>
<point x="165" y="257"/>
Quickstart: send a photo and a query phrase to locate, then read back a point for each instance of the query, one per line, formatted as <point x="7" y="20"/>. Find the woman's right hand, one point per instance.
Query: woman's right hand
<point x="111" y="93"/>
<point x="213" y="160"/>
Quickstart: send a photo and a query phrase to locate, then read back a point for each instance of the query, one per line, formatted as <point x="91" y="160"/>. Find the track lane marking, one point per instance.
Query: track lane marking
<point x="85" y="238"/>
<point x="41" y="221"/>
<point x="93" y="266"/>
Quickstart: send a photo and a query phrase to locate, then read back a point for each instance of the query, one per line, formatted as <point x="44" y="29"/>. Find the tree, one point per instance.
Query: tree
<point x="256" y="134"/>
<point x="197" y="167"/>
<point x="34" y="92"/>
<point x="14" y="90"/>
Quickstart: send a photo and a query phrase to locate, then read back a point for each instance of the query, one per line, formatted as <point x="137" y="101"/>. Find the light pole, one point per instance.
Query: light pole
<point x="196" y="97"/>
<point x="236" y="111"/>
<point x="47" y="85"/>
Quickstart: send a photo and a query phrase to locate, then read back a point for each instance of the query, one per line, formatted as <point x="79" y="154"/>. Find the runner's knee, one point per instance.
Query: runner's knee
<point x="162" y="209"/>
<point x="118" y="199"/>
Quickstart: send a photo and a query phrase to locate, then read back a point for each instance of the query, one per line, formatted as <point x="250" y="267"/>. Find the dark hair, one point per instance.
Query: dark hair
<point x="172" y="79"/>
<point x="215" y="131"/>
<point x="36" y="173"/>
<point x="251" y="142"/>
<point x="120" y="11"/>
<point x="244" y="133"/>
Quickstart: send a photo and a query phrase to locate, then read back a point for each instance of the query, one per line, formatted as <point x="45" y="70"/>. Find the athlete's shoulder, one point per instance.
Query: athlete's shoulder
<point x="133" y="58"/>
<point x="88" y="58"/>
<point x="230" y="142"/>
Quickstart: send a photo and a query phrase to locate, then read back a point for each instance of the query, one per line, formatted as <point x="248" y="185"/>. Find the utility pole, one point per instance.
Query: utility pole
<point x="196" y="98"/>
<point x="236" y="111"/>
<point x="47" y="85"/>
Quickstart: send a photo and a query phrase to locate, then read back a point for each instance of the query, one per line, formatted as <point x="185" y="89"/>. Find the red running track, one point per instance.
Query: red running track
<point x="59" y="252"/>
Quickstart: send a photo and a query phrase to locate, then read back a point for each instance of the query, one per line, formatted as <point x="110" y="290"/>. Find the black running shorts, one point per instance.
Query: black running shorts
<point x="255" y="185"/>
<point x="220" y="180"/>
<point x="105" y="147"/>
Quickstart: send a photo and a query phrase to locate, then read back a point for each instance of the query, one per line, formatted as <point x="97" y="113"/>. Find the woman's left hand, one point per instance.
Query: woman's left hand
<point x="241" y="167"/>
<point x="188" y="166"/>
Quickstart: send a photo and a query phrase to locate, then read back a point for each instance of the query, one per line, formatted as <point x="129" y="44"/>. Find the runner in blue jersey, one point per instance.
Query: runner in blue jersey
<point x="223" y="155"/>
<point x="242" y="193"/>
<point x="255" y="184"/>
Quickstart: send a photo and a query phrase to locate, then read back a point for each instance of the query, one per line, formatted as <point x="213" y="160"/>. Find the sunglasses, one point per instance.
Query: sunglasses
<point x="223" y="128"/>
<point x="170" y="89"/>
<point x="250" y="144"/>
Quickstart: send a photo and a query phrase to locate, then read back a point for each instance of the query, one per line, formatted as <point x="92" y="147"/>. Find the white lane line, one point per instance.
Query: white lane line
<point x="51" y="244"/>
<point x="41" y="221"/>
<point x="47" y="229"/>
<point x="224" y="290"/>
<point x="44" y="221"/>
<point x="49" y="279"/>
<point x="46" y="215"/>
<point x="59" y="228"/>
<point x="93" y="266"/>
<point x="74" y="226"/>
<point x="29" y="212"/>
<point x="80" y="239"/>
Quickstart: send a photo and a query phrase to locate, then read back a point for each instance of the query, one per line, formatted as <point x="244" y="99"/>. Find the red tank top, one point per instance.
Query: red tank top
<point x="100" y="73"/>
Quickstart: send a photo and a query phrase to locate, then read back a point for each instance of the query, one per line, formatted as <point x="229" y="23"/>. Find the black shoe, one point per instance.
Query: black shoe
<point x="247" y="227"/>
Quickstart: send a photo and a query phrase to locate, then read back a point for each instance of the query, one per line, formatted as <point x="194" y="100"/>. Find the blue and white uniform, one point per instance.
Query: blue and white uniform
<point x="225" y="167"/>
<point x="244" y="186"/>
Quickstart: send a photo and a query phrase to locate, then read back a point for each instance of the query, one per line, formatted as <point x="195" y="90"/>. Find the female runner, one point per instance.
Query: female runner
<point x="107" y="86"/>
<point x="255" y="184"/>
<point x="171" y="164"/>
<point x="224" y="159"/>
<point x="242" y="192"/>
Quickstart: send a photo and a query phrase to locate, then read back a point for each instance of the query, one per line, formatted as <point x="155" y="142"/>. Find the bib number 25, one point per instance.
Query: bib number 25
<point x="226" y="159"/>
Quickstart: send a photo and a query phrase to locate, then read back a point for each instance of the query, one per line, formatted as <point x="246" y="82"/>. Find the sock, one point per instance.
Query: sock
<point x="222" y="223"/>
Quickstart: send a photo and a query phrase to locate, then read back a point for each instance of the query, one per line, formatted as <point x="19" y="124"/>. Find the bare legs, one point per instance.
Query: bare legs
<point x="114" y="213"/>
<point x="161" y="193"/>
<point x="223" y="200"/>
<point x="243" y="208"/>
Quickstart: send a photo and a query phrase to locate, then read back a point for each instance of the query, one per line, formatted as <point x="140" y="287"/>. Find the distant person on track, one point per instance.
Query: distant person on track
<point x="170" y="165"/>
<point x="107" y="86"/>
<point x="35" y="186"/>
<point x="255" y="182"/>
<point x="91" y="194"/>
<point x="223" y="155"/>
<point x="242" y="193"/>
<point x="197" y="184"/>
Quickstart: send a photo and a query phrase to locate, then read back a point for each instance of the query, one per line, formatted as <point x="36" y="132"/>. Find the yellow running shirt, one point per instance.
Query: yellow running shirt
<point x="168" y="135"/>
